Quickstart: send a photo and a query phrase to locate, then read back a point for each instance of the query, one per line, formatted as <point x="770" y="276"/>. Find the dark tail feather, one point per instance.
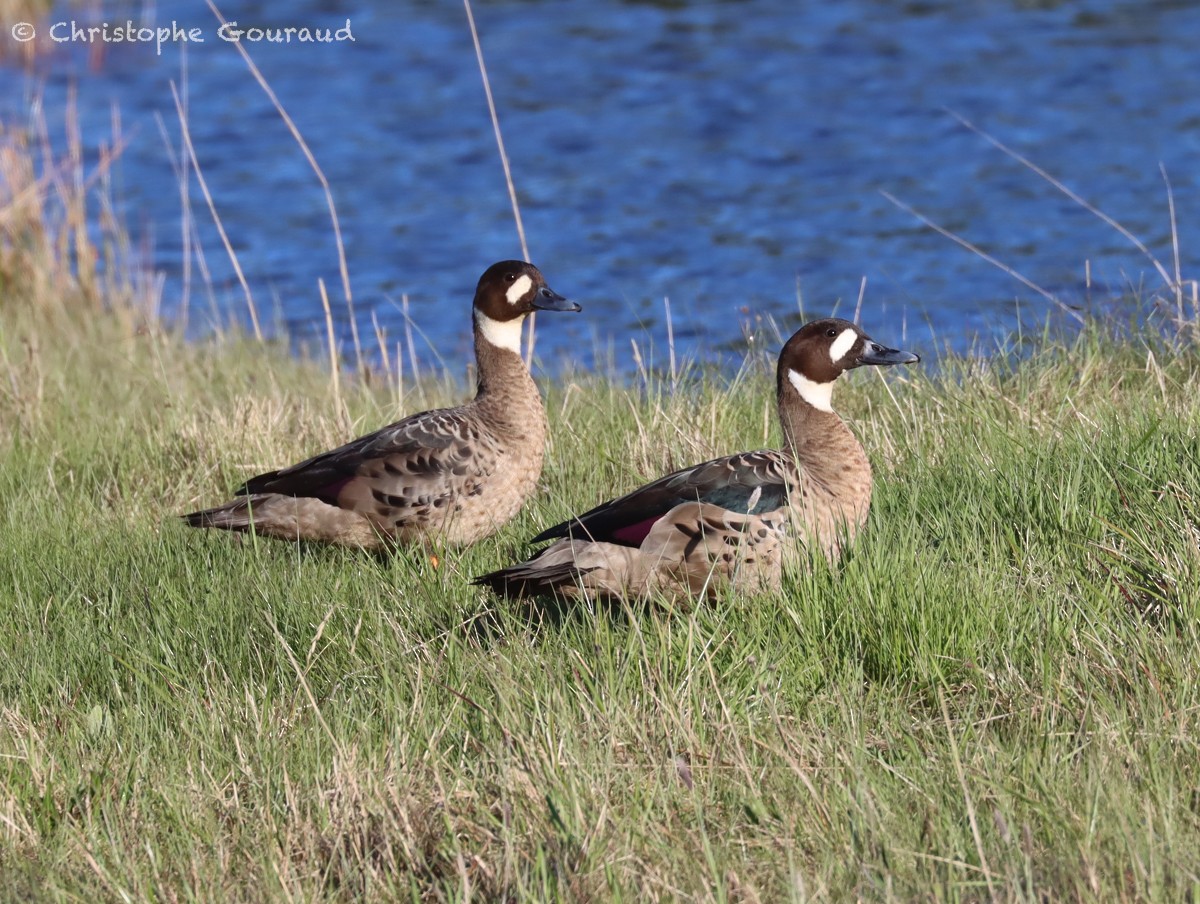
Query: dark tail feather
<point x="508" y="582"/>
<point x="234" y="515"/>
<point x="529" y="578"/>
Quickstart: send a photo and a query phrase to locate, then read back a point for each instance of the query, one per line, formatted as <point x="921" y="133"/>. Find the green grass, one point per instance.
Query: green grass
<point x="993" y="695"/>
<point x="995" y="687"/>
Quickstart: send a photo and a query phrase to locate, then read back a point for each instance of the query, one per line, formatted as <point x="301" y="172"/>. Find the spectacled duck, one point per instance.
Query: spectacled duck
<point x="732" y="519"/>
<point x="454" y="474"/>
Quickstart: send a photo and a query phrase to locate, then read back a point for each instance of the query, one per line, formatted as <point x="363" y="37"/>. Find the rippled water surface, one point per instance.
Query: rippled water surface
<point x="721" y="154"/>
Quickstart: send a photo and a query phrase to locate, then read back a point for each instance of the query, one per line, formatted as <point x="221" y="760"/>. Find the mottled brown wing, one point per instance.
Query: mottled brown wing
<point x="748" y="482"/>
<point x="413" y="458"/>
<point x="700" y="546"/>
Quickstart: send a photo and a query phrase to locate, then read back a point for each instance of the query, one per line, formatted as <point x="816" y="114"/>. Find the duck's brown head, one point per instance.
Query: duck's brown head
<point x="506" y="293"/>
<point x="820" y="352"/>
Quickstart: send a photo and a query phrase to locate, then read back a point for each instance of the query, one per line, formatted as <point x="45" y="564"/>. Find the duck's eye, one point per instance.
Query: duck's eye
<point x="510" y="277"/>
<point x="831" y="332"/>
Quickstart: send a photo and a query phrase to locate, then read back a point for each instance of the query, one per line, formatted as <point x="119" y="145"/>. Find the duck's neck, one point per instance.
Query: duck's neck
<point x="504" y="383"/>
<point x="829" y="455"/>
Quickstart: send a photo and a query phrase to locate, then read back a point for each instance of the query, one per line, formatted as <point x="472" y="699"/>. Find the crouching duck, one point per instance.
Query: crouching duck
<point x="452" y="474"/>
<point x="732" y="519"/>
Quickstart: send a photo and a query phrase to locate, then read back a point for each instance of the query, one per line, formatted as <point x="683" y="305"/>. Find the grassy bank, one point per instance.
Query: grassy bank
<point x="993" y="695"/>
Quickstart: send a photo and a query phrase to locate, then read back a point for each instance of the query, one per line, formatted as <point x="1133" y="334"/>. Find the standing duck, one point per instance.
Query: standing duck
<point x="452" y="474"/>
<point x="729" y="518"/>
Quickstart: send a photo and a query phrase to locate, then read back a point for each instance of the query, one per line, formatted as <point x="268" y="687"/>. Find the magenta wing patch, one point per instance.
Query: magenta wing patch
<point x="634" y="534"/>
<point x="329" y="493"/>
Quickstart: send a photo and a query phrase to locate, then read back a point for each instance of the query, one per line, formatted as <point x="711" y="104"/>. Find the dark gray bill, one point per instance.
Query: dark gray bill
<point x="874" y="353"/>
<point x="549" y="300"/>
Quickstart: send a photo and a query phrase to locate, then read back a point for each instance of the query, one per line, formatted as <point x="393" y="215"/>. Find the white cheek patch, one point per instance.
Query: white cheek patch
<point x="504" y="334"/>
<point x="518" y="289"/>
<point x="842" y="344"/>
<point x="819" y="395"/>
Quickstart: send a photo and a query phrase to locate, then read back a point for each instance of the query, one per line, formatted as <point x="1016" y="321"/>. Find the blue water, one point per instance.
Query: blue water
<point x="721" y="154"/>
